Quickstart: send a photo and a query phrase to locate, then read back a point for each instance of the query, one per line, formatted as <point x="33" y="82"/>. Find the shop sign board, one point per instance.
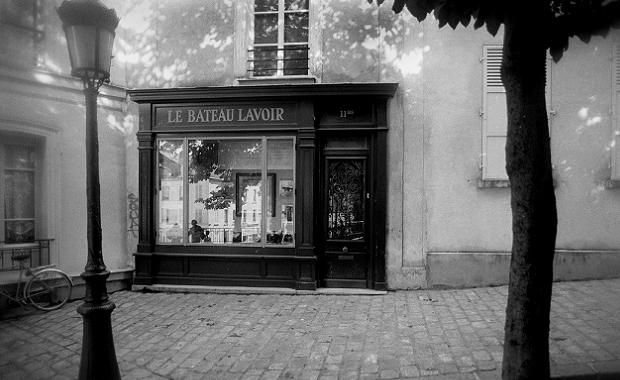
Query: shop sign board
<point x="225" y="115"/>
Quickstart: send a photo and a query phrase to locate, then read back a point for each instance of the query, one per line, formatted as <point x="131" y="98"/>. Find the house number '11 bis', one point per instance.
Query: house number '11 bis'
<point x="346" y="113"/>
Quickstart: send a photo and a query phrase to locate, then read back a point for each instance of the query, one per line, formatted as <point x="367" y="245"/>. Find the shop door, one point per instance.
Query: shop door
<point x="345" y="252"/>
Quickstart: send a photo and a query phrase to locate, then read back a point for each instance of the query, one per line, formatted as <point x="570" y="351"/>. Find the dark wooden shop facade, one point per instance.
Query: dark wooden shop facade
<point x="332" y="126"/>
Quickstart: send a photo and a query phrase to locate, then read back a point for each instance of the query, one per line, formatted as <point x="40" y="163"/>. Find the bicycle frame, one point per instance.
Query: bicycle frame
<point x="24" y="273"/>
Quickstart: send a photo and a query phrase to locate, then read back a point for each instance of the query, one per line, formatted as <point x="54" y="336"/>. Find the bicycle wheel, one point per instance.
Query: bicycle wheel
<point x="48" y="289"/>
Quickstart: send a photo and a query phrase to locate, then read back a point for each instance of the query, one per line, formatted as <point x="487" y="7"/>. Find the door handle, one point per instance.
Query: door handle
<point x="345" y="249"/>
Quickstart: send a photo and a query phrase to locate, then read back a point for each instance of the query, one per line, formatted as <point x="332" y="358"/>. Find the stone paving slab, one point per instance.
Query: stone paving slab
<point x="431" y="334"/>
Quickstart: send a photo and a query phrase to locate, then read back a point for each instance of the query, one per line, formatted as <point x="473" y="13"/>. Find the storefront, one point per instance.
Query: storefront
<point x="263" y="185"/>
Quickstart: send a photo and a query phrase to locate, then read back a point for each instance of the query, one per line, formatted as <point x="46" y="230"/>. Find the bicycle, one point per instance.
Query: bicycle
<point x="48" y="288"/>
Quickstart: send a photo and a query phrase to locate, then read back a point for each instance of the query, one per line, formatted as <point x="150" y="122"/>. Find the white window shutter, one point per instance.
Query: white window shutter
<point x="494" y="116"/>
<point x="615" y="143"/>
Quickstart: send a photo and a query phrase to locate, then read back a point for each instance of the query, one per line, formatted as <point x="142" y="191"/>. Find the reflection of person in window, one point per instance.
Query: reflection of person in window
<point x="175" y="233"/>
<point x="196" y="233"/>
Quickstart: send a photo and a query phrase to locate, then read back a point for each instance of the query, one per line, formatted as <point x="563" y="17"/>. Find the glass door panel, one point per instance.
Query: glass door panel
<point x="346" y="208"/>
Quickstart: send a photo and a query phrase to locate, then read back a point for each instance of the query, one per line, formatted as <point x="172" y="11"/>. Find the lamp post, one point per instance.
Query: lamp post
<point x="89" y="27"/>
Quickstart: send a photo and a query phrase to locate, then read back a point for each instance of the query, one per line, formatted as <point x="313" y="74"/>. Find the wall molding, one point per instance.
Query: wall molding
<point x="458" y="269"/>
<point x="60" y="88"/>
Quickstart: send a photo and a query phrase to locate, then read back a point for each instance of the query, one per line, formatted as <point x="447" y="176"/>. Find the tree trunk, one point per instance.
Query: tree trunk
<point x="534" y="215"/>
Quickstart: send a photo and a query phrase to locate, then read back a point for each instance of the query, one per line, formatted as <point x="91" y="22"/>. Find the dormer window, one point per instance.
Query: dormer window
<point x="280" y="45"/>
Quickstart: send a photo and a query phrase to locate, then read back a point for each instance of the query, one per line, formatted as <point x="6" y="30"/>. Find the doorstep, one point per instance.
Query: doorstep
<point x="254" y="290"/>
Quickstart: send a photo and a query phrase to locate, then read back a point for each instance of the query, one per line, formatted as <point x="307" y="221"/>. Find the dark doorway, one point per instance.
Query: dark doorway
<point x="345" y="253"/>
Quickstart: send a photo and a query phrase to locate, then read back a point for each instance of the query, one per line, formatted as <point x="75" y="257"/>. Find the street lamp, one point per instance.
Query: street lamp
<point x="89" y="27"/>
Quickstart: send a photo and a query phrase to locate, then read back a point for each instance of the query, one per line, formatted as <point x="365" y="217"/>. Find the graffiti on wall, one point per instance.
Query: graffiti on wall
<point x="133" y="214"/>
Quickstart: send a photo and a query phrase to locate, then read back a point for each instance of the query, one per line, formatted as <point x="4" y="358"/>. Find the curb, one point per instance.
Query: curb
<point x="254" y="290"/>
<point x="598" y="370"/>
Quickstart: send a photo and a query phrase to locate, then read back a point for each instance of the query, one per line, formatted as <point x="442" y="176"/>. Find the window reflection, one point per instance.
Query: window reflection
<point x="295" y="4"/>
<point x="345" y="199"/>
<point x="236" y="192"/>
<point x="295" y="60"/>
<point x="296" y="27"/>
<point x="266" y="28"/>
<point x="170" y="166"/>
<point x="281" y="223"/>
<point x="218" y="202"/>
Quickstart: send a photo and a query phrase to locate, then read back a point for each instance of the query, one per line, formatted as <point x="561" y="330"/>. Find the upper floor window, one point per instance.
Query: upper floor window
<point x="494" y="116"/>
<point x="280" y="38"/>
<point x="20" y="28"/>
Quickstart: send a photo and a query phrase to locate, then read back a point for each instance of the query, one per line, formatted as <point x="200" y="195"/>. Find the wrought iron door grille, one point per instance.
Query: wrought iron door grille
<point x="345" y="194"/>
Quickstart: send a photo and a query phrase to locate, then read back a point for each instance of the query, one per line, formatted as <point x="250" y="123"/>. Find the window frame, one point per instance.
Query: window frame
<point x="280" y="44"/>
<point x="491" y="83"/>
<point x="36" y="150"/>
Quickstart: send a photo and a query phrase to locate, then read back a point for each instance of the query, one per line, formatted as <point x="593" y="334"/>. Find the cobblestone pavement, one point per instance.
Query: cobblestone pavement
<point x="447" y="334"/>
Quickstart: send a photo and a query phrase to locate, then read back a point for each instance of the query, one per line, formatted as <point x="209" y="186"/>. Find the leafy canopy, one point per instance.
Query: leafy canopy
<point x="566" y="18"/>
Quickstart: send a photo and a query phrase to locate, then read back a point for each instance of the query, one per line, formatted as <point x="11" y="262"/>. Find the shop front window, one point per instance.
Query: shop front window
<point x="280" y="216"/>
<point x="233" y="191"/>
<point x="170" y="178"/>
<point x="214" y="190"/>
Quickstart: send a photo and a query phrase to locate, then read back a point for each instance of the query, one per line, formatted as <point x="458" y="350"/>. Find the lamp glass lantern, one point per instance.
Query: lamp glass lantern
<point x="90" y="30"/>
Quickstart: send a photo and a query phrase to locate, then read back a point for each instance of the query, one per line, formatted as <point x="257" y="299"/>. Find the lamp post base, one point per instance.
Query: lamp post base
<point x="98" y="359"/>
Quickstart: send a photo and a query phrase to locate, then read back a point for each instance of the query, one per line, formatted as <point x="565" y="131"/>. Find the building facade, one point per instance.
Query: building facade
<point x="323" y="143"/>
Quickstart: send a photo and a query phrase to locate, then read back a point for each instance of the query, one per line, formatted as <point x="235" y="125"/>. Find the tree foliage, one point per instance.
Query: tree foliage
<point x="565" y="18"/>
<point x="205" y="163"/>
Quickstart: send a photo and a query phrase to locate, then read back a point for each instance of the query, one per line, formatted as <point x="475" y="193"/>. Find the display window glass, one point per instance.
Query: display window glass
<point x="226" y="191"/>
<point x="170" y="191"/>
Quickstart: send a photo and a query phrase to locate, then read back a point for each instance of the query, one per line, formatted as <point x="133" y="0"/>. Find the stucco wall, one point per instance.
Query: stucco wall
<point x="461" y="216"/>
<point x="588" y="212"/>
<point x="56" y="114"/>
<point x="469" y="227"/>
<point x="173" y="43"/>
